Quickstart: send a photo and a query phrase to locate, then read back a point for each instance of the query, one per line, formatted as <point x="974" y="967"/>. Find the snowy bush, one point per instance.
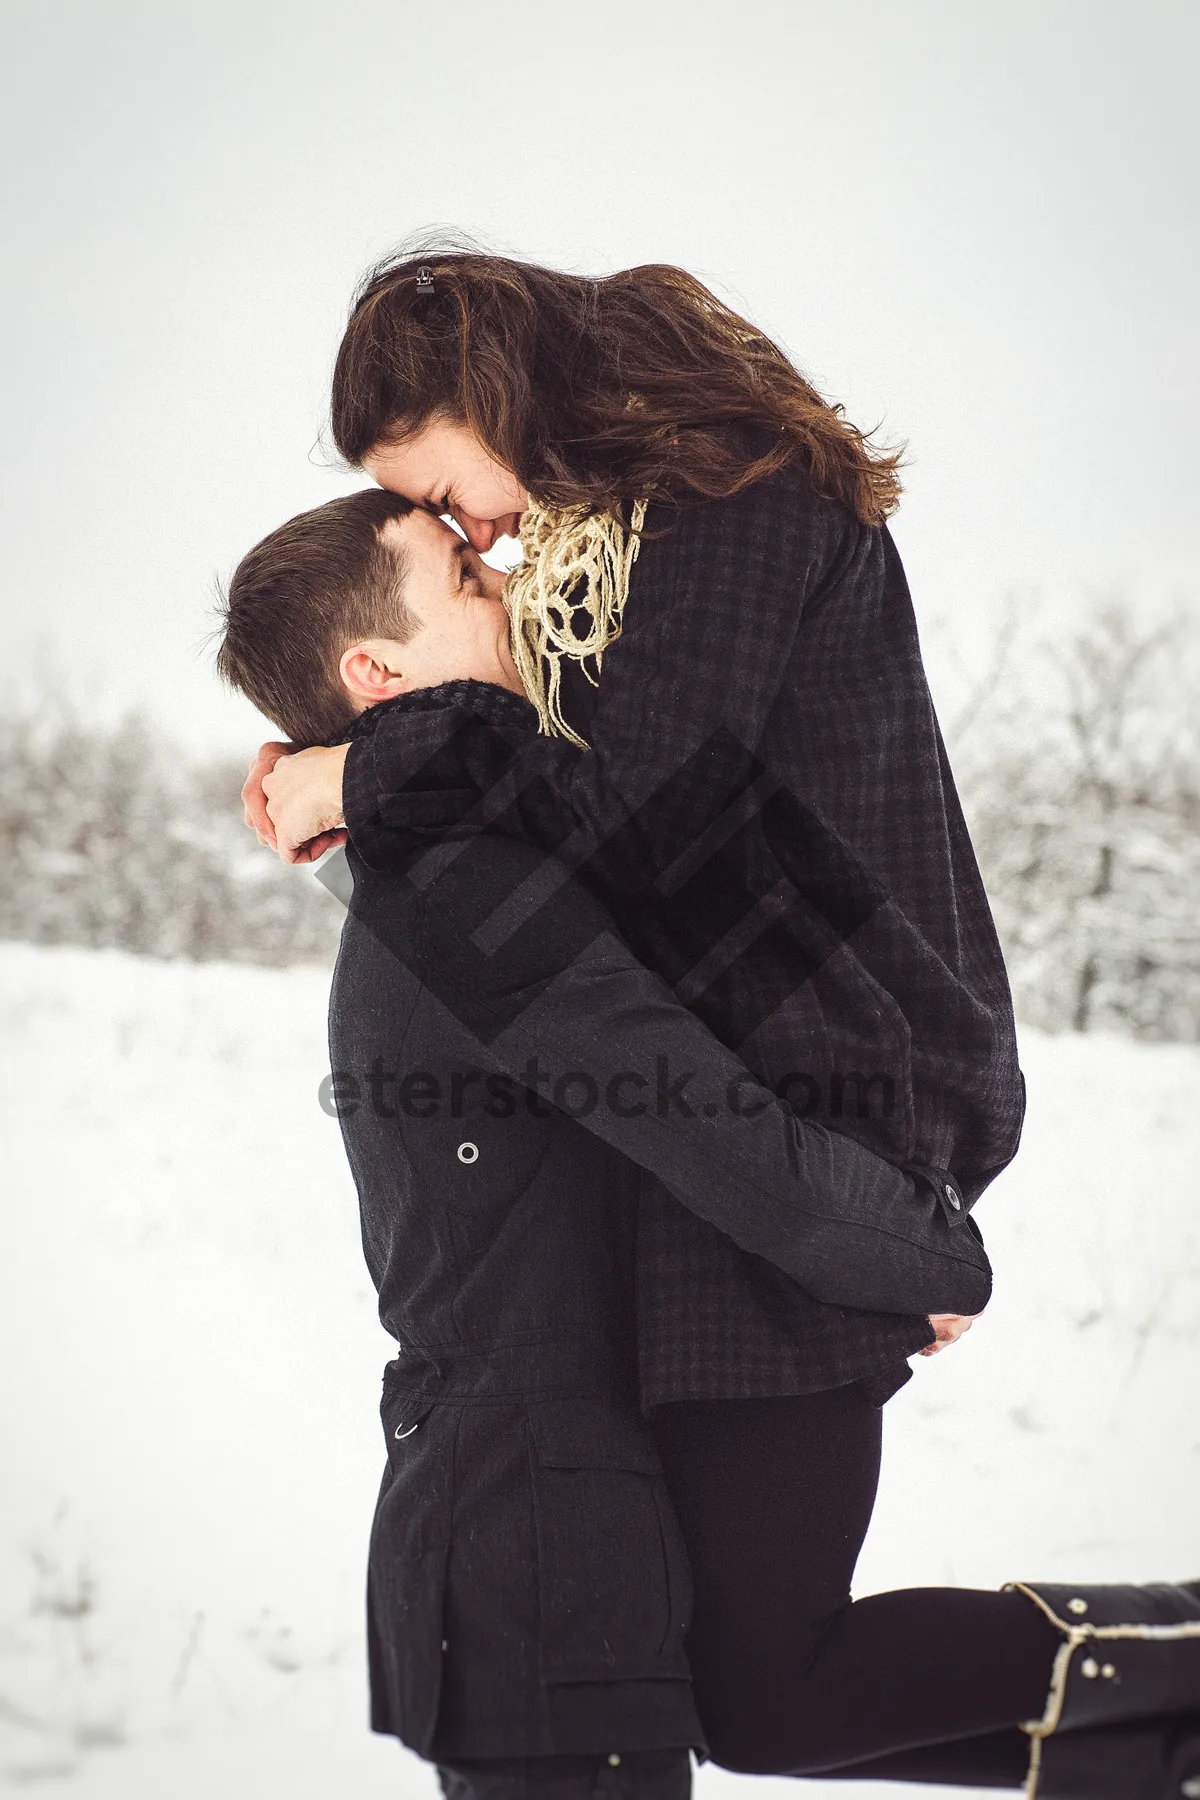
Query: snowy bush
<point x="1078" y="762"/>
<point x="110" y="837"/>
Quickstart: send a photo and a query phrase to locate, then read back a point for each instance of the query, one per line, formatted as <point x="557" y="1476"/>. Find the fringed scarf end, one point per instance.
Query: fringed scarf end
<point x="575" y="574"/>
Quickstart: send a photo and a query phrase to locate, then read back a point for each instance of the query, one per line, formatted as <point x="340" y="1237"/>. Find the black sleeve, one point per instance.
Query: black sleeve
<point x="543" y="980"/>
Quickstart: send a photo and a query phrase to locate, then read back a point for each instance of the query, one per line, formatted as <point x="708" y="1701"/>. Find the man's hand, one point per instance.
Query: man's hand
<point x="298" y="796"/>
<point x="949" y="1328"/>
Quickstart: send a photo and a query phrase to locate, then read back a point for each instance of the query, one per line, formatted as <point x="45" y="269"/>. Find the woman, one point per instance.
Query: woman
<point x="714" y="606"/>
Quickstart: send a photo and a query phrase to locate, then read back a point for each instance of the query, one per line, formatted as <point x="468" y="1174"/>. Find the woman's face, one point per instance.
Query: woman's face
<point x="447" y="469"/>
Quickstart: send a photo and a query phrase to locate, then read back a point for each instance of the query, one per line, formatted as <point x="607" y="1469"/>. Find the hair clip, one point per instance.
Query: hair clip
<point x="424" y="279"/>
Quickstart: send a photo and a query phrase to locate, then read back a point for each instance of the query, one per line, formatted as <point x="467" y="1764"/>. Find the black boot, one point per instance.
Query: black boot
<point x="1128" y="1654"/>
<point x="1146" y="1761"/>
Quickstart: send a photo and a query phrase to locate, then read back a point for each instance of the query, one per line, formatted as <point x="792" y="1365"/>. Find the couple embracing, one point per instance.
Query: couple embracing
<point x="672" y="1048"/>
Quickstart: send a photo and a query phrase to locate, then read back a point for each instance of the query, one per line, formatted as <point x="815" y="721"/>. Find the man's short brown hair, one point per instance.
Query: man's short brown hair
<point x="302" y="597"/>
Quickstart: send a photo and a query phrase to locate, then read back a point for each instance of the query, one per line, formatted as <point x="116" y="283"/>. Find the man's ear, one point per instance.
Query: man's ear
<point x="373" y="670"/>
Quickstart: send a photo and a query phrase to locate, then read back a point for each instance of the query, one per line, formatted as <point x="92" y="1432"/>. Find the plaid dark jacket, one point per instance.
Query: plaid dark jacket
<point x="768" y="812"/>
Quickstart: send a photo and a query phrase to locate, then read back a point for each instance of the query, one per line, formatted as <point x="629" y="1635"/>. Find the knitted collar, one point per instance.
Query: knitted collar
<point x="499" y="705"/>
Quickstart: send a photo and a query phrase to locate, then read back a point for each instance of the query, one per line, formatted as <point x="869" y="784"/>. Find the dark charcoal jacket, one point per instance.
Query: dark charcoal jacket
<point x="528" y="1589"/>
<point x="768" y="815"/>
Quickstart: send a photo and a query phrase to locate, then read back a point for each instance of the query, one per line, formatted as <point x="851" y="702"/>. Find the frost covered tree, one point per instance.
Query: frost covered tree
<point x="110" y="838"/>
<point x="1078" y="759"/>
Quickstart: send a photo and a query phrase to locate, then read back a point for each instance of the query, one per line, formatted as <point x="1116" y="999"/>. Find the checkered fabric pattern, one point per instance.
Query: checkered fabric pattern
<point x="778" y="617"/>
<point x="717" y="1323"/>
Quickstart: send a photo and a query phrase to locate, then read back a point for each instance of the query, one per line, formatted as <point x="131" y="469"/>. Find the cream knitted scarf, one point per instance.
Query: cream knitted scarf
<point x="568" y="598"/>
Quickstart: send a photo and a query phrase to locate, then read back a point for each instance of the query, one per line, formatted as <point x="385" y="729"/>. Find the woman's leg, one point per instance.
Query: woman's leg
<point x="997" y="1759"/>
<point x="774" y="1497"/>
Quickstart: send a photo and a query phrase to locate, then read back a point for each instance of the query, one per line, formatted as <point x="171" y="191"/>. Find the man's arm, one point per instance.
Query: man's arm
<point x="544" y="981"/>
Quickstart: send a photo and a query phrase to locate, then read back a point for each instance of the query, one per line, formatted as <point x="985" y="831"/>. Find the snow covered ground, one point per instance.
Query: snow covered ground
<point x="192" y="1360"/>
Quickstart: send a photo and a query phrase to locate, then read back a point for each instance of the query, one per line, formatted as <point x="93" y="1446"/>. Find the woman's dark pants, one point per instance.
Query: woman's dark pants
<point x="774" y="1497"/>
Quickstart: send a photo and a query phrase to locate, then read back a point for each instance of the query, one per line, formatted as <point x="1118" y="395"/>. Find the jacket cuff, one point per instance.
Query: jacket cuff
<point x="360" y="804"/>
<point x="950" y="1196"/>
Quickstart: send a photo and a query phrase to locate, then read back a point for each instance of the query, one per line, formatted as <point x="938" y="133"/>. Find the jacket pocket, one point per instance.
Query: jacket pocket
<point x="410" y="1540"/>
<point x="614" y="1581"/>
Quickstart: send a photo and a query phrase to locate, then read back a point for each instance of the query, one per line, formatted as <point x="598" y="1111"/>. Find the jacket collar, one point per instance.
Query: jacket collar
<point x="498" y="705"/>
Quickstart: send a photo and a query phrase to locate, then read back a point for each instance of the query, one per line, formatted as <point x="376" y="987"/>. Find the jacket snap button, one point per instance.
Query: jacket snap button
<point x="1077" y="1606"/>
<point x="1089" y="1667"/>
<point x="614" y="1759"/>
<point x="468" y="1153"/>
<point x="1108" y="1671"/>
<point x="953" y="1198"/>
<point x="1191" y="1788"/>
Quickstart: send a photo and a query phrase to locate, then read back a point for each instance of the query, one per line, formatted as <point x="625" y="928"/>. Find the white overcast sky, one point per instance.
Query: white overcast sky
<point x="975" y="224"/>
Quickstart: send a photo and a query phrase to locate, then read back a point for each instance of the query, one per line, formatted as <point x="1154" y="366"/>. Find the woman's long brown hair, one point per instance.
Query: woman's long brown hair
<point x="595" y="393"/>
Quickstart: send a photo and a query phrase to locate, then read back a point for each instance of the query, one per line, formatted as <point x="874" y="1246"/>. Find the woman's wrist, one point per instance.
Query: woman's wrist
<point x="304" y="798"/>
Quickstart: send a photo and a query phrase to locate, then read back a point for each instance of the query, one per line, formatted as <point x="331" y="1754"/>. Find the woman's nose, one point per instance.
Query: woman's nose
<point x="481" y="533"/>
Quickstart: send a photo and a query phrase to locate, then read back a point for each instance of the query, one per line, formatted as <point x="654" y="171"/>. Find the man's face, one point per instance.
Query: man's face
<point x="463" y="632"/>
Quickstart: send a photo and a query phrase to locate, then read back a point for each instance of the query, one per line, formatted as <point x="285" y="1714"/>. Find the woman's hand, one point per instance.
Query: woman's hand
<point x="254" y="801"/>
<point x="293" y="800"/>
<point x="949" y="1328"/>
<point x="304" y="803"/>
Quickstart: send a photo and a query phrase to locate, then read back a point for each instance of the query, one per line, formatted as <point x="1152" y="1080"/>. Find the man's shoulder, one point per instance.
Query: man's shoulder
<point x="460" y="878"/>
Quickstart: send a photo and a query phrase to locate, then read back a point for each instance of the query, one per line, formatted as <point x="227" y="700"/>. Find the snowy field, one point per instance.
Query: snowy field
<point x="192" y="1366"/>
